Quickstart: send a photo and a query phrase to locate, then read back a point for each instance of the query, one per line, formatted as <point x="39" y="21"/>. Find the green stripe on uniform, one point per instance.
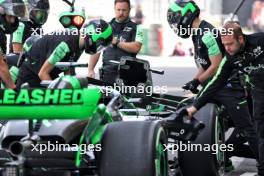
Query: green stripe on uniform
<point x="59" y="53"/>
<point x="243" y="102"/>
<point x="219" y="71"/>
<point x="211" y="44"/>
<point x="19" y="33"/>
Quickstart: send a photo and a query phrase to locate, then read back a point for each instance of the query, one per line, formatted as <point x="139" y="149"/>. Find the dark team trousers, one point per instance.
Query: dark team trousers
<point x="237" y="108"/>
<point x="258" y="113"/>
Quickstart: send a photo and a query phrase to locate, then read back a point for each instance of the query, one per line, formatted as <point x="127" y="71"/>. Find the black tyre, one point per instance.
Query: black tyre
<point x="206" y="163"/>
<point x="134" y="149"/>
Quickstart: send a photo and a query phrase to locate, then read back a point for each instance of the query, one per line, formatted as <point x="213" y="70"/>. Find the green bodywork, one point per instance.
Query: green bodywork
<point x="49" y="104"/>
<point x="59" y="104"/>
<point x="93" y="132"/>
<point x="156" y="108"/>
<point x="77" y="103"/>
<point x="75" y="83"/>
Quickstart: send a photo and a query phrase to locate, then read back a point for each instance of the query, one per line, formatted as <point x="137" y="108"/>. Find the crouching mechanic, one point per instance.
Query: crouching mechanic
<point x="10" y="10"/>
<point x="246" y="54"/>
<point x="40" y="59"/>
<point x="184" y="16"/>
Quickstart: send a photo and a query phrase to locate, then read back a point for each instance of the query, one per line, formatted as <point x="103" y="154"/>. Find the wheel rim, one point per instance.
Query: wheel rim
<point x="161" y="162"/>
<point x="219" y="139"/>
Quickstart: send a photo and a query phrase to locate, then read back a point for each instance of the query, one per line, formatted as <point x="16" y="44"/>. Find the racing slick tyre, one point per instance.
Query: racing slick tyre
<point x="207" y="159"/>
<point x="134" y="148"/>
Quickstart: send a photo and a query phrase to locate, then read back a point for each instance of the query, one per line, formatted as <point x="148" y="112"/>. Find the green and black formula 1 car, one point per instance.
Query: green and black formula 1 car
<point x="82" y="126"/>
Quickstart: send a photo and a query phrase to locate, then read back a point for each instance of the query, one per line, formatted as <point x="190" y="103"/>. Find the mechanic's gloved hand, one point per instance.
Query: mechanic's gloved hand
<point x="192" y="86"/>
<point x="182" y="128"/>
<point x="177" y="116"/>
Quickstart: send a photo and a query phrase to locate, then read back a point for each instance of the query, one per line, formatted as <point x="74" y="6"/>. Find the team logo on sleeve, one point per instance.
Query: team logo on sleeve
<point x="127" y="29"/>
<point x="201" y="61"/>
<point x="257" y="51"/>
<point x="253" y="68"/>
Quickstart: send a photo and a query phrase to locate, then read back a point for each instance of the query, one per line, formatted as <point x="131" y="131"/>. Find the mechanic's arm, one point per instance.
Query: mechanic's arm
<point x="135" y="46"/>
<point x="131" y="47"/>
<point x="17" y="48"/>
<point x="92" y="63"/>
<point x="57" y="55"/>
<point x="17" y="38"/>
<point x="215" y="56"/>
<point x="200" y="72"/>
<point x="4" y="73"/>
<point x="44" y="73"/>
<point x="215" y="61"/>
<point x="216" y="83"/>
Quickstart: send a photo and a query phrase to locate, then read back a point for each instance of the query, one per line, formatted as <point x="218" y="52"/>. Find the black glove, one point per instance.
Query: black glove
<point x="176" y="117"/>
<point x="182" y="128"/>
<point x="192" y="86"/>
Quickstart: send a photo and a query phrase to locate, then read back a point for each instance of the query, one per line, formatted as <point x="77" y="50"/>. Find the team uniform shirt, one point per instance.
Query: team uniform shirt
<point x="54" y="48"/>
<point x="249" y="62"/>
<point x="127" y="31"/>
<point x="207" y="43"/>
<point x="23" y="32"/>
